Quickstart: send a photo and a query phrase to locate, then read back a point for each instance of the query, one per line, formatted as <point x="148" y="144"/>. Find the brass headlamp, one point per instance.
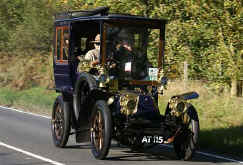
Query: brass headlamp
<point x="129" y="103"/>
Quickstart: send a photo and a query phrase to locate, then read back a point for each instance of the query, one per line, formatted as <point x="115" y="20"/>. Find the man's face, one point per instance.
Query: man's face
<point x="97" y="45"/>
<point x="67" y="42"/>
<point x="127" y="46"/>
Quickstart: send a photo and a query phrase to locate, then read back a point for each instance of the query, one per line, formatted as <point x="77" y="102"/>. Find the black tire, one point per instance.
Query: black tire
<point x="83" y="88"/>
<point x="60" y="122"/>
<point x="101" y="130"/>
<point x="186" y="143"/>
<point x="84" y="93"/>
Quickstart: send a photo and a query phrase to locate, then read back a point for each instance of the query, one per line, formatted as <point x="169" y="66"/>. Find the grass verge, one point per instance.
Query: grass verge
<point x="36" y="100"/>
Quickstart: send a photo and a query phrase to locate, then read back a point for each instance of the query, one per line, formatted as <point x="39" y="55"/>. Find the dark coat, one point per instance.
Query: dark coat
<point x="138" y="64"/>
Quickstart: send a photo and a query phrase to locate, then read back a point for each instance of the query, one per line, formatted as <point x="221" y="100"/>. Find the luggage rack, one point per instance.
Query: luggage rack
<point x="101" y="11"/>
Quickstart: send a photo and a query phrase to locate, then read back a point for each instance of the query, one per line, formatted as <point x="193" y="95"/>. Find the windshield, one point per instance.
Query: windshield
<point x="133" y="52"/>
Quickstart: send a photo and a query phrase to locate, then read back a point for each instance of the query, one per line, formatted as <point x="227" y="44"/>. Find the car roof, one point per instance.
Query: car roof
<point x="84" y="16"/>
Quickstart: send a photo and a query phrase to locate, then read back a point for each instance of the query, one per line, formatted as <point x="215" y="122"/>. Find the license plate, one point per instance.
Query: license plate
<point x="153" y="139"/>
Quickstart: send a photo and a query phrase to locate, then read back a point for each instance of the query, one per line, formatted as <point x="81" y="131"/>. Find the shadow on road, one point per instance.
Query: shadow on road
<point x="224" y="141"/>
<point x="148" y="153"/>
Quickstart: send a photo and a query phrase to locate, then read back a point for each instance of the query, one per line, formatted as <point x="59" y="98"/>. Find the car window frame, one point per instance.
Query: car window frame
<point x="61" y="60"/>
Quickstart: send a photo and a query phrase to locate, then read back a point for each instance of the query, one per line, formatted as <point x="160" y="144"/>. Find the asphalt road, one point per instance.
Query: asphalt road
<point x="26" y="139"/>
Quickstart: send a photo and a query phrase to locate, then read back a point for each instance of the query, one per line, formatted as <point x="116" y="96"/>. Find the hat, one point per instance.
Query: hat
<point x="97" y="39"/>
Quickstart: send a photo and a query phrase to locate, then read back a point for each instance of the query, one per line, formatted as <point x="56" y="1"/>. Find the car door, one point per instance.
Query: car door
<point x="62" y="69"/>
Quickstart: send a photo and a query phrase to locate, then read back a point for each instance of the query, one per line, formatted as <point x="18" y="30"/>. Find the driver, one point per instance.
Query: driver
<point x="94" y="54"/>
<point x="125" y="57"/>
<point x="132" y="64"/>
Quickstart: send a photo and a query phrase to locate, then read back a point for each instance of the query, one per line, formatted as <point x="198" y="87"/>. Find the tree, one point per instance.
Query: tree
<point x="10" y="17"/>
<point x="225" y="18"/>
<point x="27" y="25"/>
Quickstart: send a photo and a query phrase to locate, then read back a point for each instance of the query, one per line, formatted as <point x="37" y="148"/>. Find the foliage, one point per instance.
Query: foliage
<point x="27" y="25"/>
<point x="207" y="34"/>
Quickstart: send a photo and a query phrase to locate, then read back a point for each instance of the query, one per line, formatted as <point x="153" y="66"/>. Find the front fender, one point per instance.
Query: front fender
<point x="187" y="96"/>
<point x="76" y="95"/>
<point x="179" y="107"/>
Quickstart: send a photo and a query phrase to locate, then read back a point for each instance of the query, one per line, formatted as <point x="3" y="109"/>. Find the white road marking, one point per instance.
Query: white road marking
<point x="202" y="153"/>
<point x="218" y="157"/>
<point x="209" y="155"/>
<point x="22" y="111"/>
<point x="31" y="154"/>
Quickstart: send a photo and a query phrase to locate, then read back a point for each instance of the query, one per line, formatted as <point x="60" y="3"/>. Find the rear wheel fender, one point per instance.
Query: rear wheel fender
<point x="83" y="79"/>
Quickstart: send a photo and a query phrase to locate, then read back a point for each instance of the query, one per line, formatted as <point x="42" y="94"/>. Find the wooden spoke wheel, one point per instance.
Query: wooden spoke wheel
<point x="100" y="130"/>
<point x="60" y="123"/>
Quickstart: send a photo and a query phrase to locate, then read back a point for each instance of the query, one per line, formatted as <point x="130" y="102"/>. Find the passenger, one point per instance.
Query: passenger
<point x="94" y="54"/>
<point x="66" y="47"/>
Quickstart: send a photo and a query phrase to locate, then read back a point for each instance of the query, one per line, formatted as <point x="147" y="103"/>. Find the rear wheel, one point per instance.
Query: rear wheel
<point x="100" y="130"/>
<point x="60" y="123"/>
<point x="185" y="144"/>
<point x="84" y="93"/>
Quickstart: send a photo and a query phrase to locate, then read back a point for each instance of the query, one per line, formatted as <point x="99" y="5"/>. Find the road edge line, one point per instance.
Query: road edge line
<point x="31" y="154"/>
<point x="218" y="157"/>
<point x="22" y="111"/>
<point x="210" y="155"/>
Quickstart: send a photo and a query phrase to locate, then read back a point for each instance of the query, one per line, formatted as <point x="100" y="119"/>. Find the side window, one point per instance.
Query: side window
<point x="137" y="41"/>
<point x="83" y="43"/>
<point x="62" y="44"/>
<point x="153" y="46"/>
<point x="58" y="43"/>
<point x="65" y="44"/>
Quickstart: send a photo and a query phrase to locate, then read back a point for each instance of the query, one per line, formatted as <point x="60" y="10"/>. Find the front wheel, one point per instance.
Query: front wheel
<point x="100" y="129"/>
<point x="60" y="122"/>
<point x="185" y="144"/>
